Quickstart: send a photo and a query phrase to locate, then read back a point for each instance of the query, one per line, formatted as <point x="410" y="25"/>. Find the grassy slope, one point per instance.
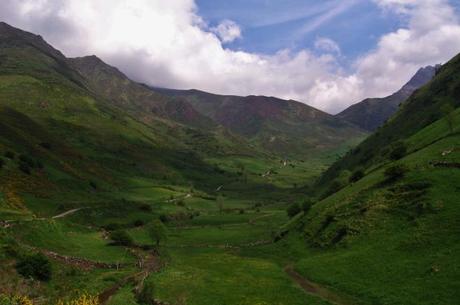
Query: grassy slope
<point x="394" y="242"/>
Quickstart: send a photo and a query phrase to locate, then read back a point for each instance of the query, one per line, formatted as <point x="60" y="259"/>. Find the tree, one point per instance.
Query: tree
<point x="398" y="150"/>
<point x="396" y="172"/>
<point x="157" y="231"/>
<point x="36" y="266"/>
<point x="293" y="210"/>
<point x="120" y="237"/>
<point x="357" y="175"/>
<point x="306" y="205"/>
<point x="448" y="112"/>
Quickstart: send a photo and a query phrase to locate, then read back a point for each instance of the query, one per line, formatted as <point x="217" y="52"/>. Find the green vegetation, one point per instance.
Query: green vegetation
<point x="36" y="266"/>
<point x="110" y="188"/>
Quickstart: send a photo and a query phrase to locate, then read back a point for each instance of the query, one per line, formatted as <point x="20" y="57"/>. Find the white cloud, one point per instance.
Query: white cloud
<point x="227" y="31"/>
<point x="166" y="43"/>
<point x="327" y="45"/>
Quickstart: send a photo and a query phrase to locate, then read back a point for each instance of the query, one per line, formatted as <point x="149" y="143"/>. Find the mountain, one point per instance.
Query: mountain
<point x="386" y="216"/>
<point x="373" y="112"/>
<point x="135" y="98"/>
<point x="285" y="127"/>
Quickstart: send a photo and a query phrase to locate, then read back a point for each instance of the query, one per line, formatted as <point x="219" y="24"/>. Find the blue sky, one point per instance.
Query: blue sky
<point x="271" y="25"/>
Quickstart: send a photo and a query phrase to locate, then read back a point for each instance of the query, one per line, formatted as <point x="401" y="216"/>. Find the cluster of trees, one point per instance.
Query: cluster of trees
<point x="296" y="208"/>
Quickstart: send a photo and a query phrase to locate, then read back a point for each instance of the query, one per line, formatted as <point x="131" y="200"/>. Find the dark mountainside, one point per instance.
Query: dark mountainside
<point x="373" y="112"/>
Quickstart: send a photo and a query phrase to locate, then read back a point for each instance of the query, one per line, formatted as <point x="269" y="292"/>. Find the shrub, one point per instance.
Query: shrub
<point x="84" y="299"/>
<point x="398" y="150"/>
<point x="145" y="207"/>
<point x="25" y="168"/>
<point x="93" y="185"/>
<point x="2" y="162"/>
<point x="14" y="300"/>
<point x="121" y="238"/>
<point x="138" y="223"/>
<point x="27" y="160"/>
<point x="396" y="172"/>
<point x="9" y="155"/>
<point x="306" y="205"/>
<point x="293" y="210"/>
<point x="147" y="294"/>
<point x="164" y="218"/>
<point x="36" y="266"/>
<point x="357" y="175"/>
<point x="46" y="145"/>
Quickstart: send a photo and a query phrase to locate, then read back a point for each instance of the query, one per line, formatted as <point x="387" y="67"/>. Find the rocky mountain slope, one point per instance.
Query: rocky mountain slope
<point x="373" y="112"/>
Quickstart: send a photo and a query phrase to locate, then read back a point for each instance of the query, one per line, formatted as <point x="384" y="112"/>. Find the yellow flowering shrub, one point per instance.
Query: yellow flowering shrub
<point x="84" y="299"/>
<point x="14" y="300"/>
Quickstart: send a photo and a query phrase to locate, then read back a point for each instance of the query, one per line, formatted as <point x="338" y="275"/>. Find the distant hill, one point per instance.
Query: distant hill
<point x="373" y="112"/>
<point x="281" y="126"/>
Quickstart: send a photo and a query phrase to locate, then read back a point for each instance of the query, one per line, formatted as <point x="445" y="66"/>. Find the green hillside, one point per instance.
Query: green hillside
<point x="390" y="234"/>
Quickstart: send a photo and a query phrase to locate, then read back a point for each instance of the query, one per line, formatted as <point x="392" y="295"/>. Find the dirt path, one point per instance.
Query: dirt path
<point x="149" y="263"/>
<point x="62" y="215"/>
<point x="317" y="290"/>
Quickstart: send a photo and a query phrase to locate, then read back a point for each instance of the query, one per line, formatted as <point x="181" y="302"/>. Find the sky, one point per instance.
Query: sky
<point x="328" y="54"/>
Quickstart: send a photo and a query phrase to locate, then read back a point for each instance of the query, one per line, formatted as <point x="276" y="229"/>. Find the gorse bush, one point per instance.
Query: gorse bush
<point x="14" y="300"/>
<point x="36" y="266"/>
<point x="84" y="299"/>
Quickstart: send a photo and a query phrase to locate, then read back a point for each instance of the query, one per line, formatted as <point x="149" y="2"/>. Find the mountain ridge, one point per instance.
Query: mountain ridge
<point x="371" y="113"/>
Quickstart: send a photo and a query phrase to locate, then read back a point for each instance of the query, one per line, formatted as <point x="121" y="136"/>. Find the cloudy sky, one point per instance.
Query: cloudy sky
<point x="329" y="53"/>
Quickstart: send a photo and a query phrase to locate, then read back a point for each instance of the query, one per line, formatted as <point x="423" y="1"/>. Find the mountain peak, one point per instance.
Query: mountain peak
<point x="10" y="34"/>
<point x="423" y="76"/>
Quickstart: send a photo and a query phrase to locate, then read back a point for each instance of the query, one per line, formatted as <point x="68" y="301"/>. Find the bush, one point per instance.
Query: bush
<point x="138" y="223"/>
<point x="93" y="185"/>
<point x="14" y="300"/>
<point x="25" y="168"/>
<point x="357" y="175"/>
<point x="306" y="205"/>
<point x="9" y="155"/>
<point x="121" y="238"/>
<point x="293" y="210"/>
<point x="36" y="266"/>
<point x="398" y="150"/>
<point x="164" y="218"/>
<point x="46" y="145"/>
<point x="2" y="162"/>
<point x="396" y="172"/>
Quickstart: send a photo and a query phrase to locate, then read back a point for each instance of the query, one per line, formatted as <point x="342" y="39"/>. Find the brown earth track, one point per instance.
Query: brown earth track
<point x="317" y="290"/>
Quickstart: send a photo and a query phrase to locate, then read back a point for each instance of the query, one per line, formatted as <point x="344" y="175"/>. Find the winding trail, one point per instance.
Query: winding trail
<point x="316" y="289"/>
